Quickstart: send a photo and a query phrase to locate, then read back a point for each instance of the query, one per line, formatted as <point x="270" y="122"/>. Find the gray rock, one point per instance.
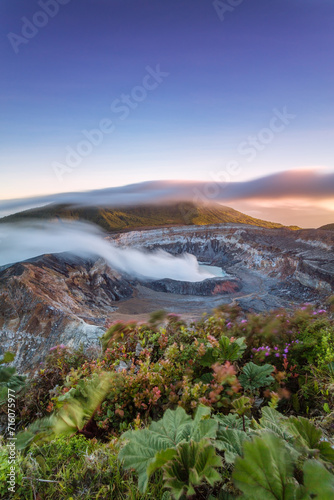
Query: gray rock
<point x="139" y="349"/>
<point x="122" y="366"/>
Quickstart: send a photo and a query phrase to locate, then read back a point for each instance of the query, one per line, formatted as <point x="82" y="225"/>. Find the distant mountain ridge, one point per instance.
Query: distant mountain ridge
<point x="144" y="216"/>
<point x="328" y="227"/>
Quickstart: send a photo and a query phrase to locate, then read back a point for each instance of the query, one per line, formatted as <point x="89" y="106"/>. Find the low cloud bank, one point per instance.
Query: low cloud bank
<point x="21" y="242"/>
<point x="295" y="183"/>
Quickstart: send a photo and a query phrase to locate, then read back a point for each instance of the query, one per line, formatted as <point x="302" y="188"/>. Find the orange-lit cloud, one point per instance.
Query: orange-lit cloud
<point x="281" y="194"/>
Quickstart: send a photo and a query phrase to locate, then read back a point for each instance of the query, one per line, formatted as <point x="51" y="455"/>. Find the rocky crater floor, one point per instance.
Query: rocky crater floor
<point x="306" y="256"/>
<point x="62" y="299"/>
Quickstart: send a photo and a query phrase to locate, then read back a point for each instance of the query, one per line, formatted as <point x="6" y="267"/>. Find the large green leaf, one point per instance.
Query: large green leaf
<point x="174" y="427"/>
<point x="39" y="431"/>
<point x="194" y="463"/>
<point x="227" y="351"/>
<point x="210" y="357"/>
<point x="274" y="421"/>
<point x="270" y="416"/>
<point x="326" y="451"/>
<point x="9" y="379"/>
<point x="305" y="432"/>
<point x="6" y="374"/>
<point x="231" y="442"/>
<point x="143" y="451"/>
<point x="254" y="376"/>
<point x="318" y="480"/>
<point x="230" y="435"/>
<point x="80" y="408"/>
<point x="166" y="495"/>
<point x="160" y="459"/>
<point x="241" y="405"/>
<point x="73" y="415"/>
<point x="309" y="439"/>
<point x="232" y="351"/>
<point x="203" y="426"/>
<point x="266" y="471"/>
<point x="231" y="421"/>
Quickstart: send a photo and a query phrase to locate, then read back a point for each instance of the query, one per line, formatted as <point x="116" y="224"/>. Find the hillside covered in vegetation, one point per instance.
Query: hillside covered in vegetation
<point x="129" y="218"/>
<point x="232" y="406"/>
<point x="328" y="227"/>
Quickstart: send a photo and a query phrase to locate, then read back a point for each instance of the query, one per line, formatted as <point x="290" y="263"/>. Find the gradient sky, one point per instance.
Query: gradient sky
<point x="225" y="79"/>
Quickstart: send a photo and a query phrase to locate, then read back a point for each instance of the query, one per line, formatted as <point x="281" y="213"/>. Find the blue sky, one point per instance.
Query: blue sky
<point x="225" y="78"/>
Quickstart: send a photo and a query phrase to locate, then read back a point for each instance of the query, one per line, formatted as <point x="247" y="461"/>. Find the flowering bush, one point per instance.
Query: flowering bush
<point x="175" y="364"/>
<point x="240" y="368"/>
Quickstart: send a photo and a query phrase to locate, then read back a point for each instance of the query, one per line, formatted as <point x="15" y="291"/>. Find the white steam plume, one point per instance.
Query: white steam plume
<point x="19" y="242"/>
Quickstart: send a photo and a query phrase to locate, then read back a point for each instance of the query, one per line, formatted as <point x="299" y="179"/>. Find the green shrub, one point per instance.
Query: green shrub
<point x="231" y="372"/>
<point x="161" y="446"/>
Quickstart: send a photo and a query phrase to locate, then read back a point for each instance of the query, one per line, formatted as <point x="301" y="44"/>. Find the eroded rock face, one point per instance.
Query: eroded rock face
<point x="56" y="299"/>
<point x="307" y="256"/>
<point x="208" y="287"/>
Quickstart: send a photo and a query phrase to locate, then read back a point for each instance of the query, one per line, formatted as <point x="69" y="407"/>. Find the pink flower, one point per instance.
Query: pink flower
<point x="60" y="346"/>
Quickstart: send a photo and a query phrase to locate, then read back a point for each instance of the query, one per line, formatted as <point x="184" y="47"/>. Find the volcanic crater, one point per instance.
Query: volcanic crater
<point x="60" y="298"/>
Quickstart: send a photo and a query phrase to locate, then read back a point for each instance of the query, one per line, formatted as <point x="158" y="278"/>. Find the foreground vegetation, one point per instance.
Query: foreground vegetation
<point x="232" y="406"/>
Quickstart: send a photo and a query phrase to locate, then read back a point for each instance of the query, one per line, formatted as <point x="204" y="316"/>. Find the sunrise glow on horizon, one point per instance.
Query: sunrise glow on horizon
<point x="108" y="94"/>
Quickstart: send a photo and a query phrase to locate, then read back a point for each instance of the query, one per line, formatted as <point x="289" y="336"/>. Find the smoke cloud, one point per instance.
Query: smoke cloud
<point x="21" y="242"/>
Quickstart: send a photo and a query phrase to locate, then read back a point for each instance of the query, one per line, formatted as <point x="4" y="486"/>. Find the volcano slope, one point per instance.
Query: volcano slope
<point x="58" y="299"/>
